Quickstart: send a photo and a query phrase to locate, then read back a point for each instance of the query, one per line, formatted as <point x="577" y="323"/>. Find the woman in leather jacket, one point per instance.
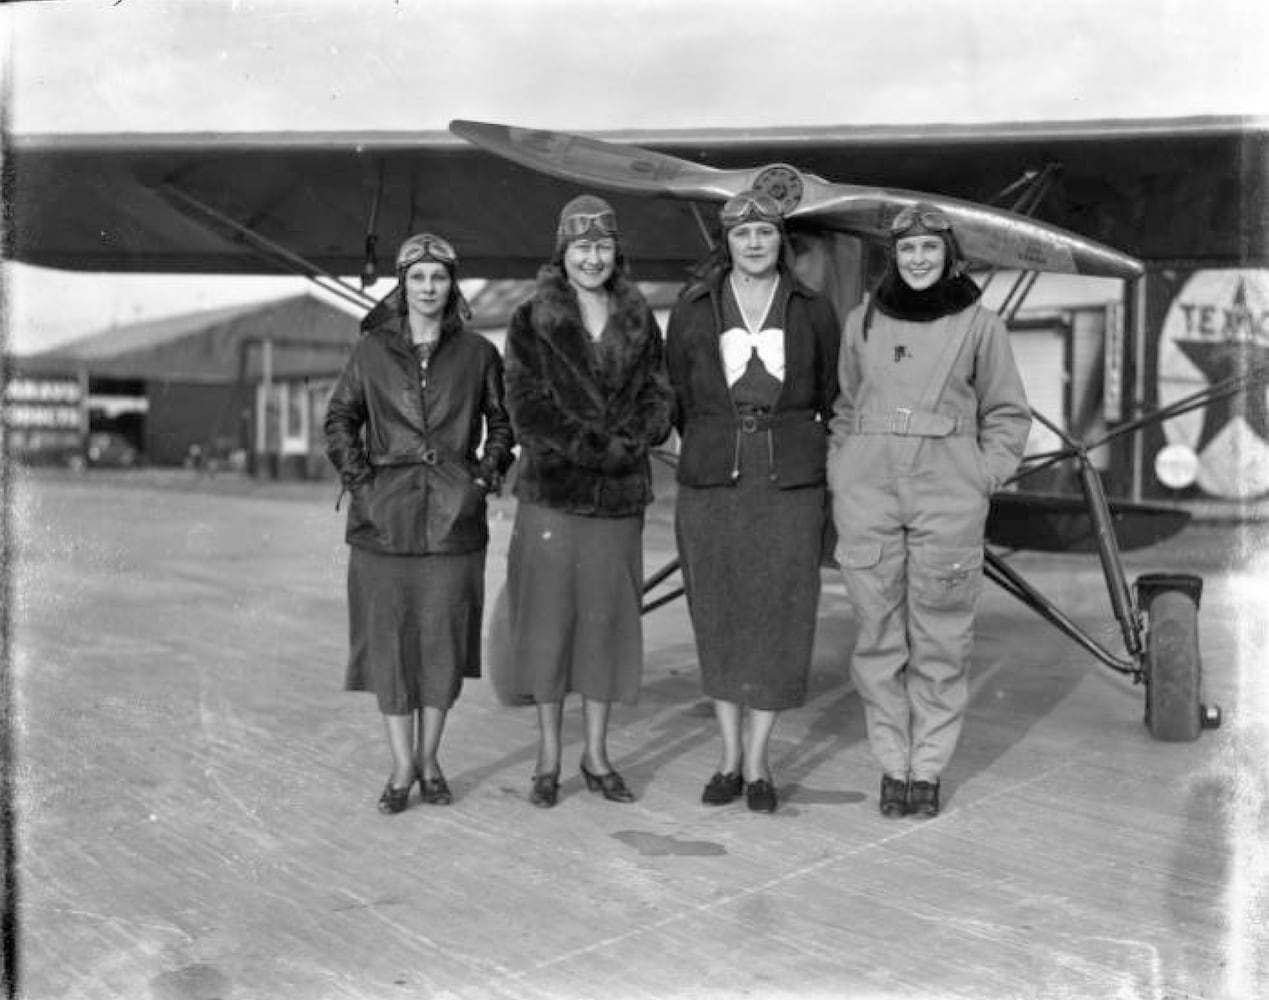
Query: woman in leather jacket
<point x="402" y="427"/>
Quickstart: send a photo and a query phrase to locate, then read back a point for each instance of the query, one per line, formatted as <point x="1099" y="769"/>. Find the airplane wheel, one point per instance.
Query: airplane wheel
<point x="498" y="653"/>
<point x="1173" y="669"/>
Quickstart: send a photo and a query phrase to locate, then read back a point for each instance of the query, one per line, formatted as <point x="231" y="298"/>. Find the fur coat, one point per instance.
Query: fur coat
<point x="586" y="415"/>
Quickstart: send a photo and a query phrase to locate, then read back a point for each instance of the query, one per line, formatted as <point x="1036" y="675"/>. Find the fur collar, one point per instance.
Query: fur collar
<point x="897" y="299"/>
<point x="557" y="317"/>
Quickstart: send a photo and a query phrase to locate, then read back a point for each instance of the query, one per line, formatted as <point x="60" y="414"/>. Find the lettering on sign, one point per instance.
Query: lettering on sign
<point x="1217" y="328"/>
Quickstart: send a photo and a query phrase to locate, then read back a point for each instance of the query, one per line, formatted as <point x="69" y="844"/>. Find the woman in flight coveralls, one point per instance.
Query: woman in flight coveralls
<point x="932" y="418"/>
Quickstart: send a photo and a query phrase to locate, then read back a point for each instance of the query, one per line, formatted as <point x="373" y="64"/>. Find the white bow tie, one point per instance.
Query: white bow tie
<point x="738" y="346"/>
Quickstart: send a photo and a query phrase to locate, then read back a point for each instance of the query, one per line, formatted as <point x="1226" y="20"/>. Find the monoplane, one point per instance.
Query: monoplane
<point x="1120" y="200"/>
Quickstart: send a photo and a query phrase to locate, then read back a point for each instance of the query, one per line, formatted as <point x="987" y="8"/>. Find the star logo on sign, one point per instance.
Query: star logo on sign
<point x="1218" y="360"/>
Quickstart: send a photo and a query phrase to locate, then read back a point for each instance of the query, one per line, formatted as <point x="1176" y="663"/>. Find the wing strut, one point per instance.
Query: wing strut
<point x="273" y="252"/>
<point x="1035" y="186"/>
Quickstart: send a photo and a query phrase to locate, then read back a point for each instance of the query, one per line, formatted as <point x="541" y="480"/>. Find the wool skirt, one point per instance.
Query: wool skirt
<point x="414" y="627"/>
<point x="574" y="598"/>
<point x="750" y="557"/>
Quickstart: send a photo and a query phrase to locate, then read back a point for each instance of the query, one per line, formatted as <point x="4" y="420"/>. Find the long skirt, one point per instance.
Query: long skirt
<point x="750" y="559"/>
<point x="414" y="627"/>
<point x="574" y="596"/>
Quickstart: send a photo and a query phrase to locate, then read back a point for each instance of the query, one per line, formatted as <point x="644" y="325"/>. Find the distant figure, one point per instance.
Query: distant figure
<point x="931" y="419"/>
<point x="588" y="397"/>
<point x="752" y="356"/>
<point x="402" y="427"/>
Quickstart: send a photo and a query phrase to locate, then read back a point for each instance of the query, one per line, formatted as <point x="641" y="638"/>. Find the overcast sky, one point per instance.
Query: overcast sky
<point x="193" y="65"/>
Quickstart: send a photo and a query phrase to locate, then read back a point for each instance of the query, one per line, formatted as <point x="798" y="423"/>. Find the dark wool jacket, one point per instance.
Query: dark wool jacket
<point x="705" y="414"/>
<point x="407" y="451"/>
<point x="584" y="439"/>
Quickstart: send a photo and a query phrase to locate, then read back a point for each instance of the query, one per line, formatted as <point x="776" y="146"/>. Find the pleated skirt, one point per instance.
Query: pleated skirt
<point x="574" y="597"/>
<point x="414" y="627"/>
<point x="750" y="558"/>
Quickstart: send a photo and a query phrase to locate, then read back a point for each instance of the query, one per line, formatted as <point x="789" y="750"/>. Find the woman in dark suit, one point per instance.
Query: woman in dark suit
<point x="752" y="358"/>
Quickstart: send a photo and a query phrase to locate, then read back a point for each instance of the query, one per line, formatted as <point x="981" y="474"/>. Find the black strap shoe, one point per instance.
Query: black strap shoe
<point x="923" y="799"/>
<point x="723" y="788"/>
<point x="394" y="799"/>
<point x="761" y="796"/>
<point x="612" y="784"/>
<point x="546" y="790"/>
<point x="894" y="796"/>
<point x="435" y="791"/>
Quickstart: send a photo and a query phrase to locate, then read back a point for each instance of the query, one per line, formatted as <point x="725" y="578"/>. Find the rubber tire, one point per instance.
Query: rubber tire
<point x="1174" y="710"/>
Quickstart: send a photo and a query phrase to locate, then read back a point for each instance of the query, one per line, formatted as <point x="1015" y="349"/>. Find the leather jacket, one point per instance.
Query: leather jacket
<point x="404" y="440"/>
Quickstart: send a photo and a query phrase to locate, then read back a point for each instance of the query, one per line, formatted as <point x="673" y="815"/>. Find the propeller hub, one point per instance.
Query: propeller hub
<point x="781" y="182"/>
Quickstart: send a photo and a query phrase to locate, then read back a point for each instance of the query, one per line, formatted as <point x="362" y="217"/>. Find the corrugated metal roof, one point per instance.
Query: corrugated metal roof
<point x="310" y="337"/>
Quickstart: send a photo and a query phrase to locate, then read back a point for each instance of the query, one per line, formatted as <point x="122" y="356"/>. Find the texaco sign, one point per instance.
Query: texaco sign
<point x="1217" y="326"/>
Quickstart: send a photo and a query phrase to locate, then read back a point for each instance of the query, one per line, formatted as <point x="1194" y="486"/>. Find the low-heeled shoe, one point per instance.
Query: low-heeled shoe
<point x="723" y="788"/>
<point x="612" y="784"/>
<point x="894" y="796"/>
<point x="545" y="791"/>
<point x="394" y="799"/>
<point x="435" y="791"/>
<point x="761" y="796"/>
<point x="923" y="799"/>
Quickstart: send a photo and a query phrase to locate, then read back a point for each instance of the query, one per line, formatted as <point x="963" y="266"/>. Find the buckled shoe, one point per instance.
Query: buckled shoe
<point x="894" y="796"/>
<point x="923" y="799"/>
<point x="723" y="788"/>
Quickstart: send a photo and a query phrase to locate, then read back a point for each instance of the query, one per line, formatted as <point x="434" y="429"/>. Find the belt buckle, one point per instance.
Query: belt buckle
<point x="430" y="457"/>
<point x="749" y="423"/>
<point x="900" y="420"/>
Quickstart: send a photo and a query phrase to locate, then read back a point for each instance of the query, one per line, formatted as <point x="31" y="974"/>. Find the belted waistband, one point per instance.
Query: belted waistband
<point x="754" y="419"/>
<point x="429" y="456"/>
<point x="906" y="422"/>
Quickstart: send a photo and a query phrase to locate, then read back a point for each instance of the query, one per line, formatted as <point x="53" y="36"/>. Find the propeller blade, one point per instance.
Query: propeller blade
<point x="986" y="235"/>
<point x="603" y="164"/>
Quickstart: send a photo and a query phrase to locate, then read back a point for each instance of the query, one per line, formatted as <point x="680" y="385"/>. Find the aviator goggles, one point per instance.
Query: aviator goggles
<point x="929" y="219"/>
<point x="425" y="246"/>
<point x="750" y="206"/>
<point x="600" y="224"/>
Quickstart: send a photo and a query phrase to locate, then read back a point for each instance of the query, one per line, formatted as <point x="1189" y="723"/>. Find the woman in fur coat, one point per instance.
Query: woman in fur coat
<point x="588" y="398"/>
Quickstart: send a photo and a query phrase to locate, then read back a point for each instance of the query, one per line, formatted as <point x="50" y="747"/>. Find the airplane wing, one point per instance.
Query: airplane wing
<point x="1182" y="191"/>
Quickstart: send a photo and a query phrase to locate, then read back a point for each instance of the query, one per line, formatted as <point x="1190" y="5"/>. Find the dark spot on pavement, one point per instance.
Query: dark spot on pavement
<point x="658" y="844"/>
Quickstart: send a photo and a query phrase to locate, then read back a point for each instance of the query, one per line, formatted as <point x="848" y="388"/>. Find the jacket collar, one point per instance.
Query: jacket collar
<point x="713" y="285"/>
<point x="395" y="333"/>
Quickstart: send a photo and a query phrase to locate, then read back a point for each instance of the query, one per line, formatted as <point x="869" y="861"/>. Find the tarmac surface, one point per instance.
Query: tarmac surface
<point x="196" y="793"/>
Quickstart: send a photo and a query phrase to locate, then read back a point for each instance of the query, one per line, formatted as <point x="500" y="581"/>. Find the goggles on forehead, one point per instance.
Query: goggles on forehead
<point x="749" y="207"/>
<point x="930" y="219"/>
<point x="602" y="224"/>
<point x="426" y="247"/>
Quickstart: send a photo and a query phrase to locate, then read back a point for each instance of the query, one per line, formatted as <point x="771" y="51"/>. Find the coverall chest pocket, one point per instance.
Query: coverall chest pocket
<point x="947" y="578"/>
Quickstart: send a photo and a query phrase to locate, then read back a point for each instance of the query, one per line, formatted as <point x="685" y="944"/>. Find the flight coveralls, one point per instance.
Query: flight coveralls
<point x="932" y="418"/>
